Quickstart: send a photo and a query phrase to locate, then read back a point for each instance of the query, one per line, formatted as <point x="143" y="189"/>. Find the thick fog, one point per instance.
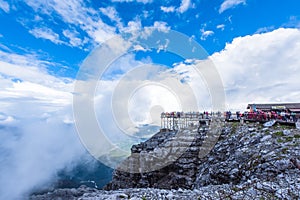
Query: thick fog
<point x="32" y="153"/>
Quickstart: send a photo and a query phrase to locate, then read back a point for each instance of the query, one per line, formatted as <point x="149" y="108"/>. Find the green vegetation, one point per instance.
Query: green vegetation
<point x="278" y="134"/>
<point x="289" y="139"/>
<point x="297" y="136"/>
<point x="287" y="127"/>
<point x="279" y="140"/>
<point x="234" y="127"/>
<point x="235" y="189"/>
<point x="252" y="134"/>
<point x="284" y="150"/>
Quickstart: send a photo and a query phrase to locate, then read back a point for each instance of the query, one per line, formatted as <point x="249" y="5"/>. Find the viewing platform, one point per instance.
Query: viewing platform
<point x="182" y="120"/>
<point x="173" y="121"/>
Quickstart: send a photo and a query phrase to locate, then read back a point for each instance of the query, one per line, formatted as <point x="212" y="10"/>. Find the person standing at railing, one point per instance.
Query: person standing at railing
<point x="282" y="115"/>
<point x="269" y="115"/>
<point x="237" y="115"/>
<point x="287" y="115"/>
<point x="293" y="116"/>
<point x="206" y="115"/>
<point x="273" y="115"/>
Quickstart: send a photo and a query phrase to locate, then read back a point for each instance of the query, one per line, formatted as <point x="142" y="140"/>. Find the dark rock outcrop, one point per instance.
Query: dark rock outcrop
<point x="178" y="172"/>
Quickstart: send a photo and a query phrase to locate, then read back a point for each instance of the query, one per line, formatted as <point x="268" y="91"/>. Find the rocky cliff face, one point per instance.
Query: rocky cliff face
<point x="248" y="162"/>
<point x="178" y="174"/>
<point x="169" y="160"/>
<point x="245" y="153"/>
<point x="255" y="161"/>
<point x="250" y="152"/>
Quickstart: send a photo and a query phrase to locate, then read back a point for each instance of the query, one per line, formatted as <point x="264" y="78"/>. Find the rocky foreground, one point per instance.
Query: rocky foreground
<point x="247" y="162"/>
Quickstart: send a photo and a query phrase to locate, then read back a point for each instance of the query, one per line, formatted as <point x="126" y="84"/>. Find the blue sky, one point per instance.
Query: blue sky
<point x="253" y="46"/>
<point x="65" y="37"/>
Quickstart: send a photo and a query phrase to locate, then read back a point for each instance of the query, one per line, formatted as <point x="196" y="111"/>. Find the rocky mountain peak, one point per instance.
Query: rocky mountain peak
<point x="248" y="161"/>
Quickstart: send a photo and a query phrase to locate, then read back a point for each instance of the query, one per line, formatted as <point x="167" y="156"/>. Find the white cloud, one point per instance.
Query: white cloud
<point x="28" y="68"/>
<point x="148" y="30"/>
<point x="133" y="26"/>
<point x="35" y="151"/>
<point x="205" y="34"/>
<point x="227" y="4"/>
<point x="102" y="32"/>
<point x="134" y="89"/>
<point x="140" y="89"/>
<point x="221" y="26"/>
<point x="78" y="14"/>
<point x="294" y="22"/>
<point x="35" y="107"/>
<point x="265" y="29"/>
<point x="71" y="11"/>
<point x="33" y="92"/>
<point x="6" y="120"/>
<point x="46" y="33"/>
<point x="261" y="68"/>
<point x="38" y="18"/>
<point x="111" y="13"/>
<point x="23" y="88"/>
<point x="168" y="9"/>
<point x="184" y="6"/>
<point x="138" y="1"/>
<point x="258" y="68"/>
<point x="4" y="6"/>
<point x="74" y="38"/>
<point x="39" y="104"/>
<point x="161" y="26"/>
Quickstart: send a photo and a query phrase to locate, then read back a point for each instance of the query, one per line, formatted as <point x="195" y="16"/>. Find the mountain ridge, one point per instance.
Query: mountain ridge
<point x="249" y="161"/>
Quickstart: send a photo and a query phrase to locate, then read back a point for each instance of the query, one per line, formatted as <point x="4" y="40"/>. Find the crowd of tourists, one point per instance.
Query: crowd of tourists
<point x="259" y="115"/>
<point x="200" y="115"/>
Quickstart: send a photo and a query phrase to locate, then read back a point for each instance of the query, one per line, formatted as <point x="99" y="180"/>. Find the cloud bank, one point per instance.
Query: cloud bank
<point x="261" y="68"/>
<point x="38" y="138"/>
<point x="33" y="152"/>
